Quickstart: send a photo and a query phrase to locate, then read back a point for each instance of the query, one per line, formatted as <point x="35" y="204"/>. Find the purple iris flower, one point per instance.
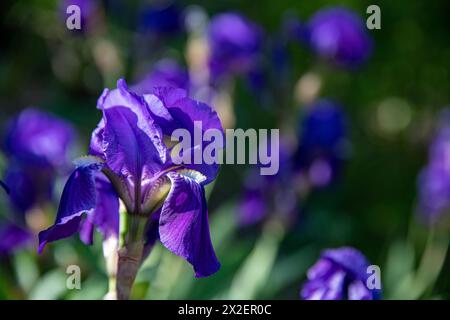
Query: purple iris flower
<point x="130" y="160"/>
<point x="434" y="180"/>
<point x="235" y="45"/>
<point x="339" y="35"/>
<point x="323" y="142"/>
<point x="339" y="274"/>
<point x="37" y="147"/>
<point x="165" y="73"/>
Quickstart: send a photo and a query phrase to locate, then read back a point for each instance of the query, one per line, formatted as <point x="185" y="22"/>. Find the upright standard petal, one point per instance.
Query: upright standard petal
<point x="79" y="196"/>
<point x="128" y="137"/>
<point x="133" y="148"/>
<point x="172" y="109"/>
<point x="183" y="224"/>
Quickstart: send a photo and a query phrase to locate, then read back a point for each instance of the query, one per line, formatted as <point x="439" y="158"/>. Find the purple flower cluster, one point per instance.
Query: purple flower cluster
<point x="130" y="160"/>
<point x="339" y="274"/>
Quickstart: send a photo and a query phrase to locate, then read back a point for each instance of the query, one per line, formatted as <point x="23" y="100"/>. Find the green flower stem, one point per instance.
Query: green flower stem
<point x="132" y="230"/>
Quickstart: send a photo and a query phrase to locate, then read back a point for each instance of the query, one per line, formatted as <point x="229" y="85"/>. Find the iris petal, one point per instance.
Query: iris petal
<point x="183" y="225"/>
<point x="172" y="109"/>
<point x="106" y="213"/>
<point x="182" y="111"/>
<point x="132" y="145"/>
<point x="78" y="197"/>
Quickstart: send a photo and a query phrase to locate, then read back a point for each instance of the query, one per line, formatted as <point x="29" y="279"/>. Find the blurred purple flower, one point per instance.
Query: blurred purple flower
<point x="235" y="45"/>
<point x="37" y="146"/>
<point x="340" y="274"/>
<point x="264" y="195"/>
<point x="253" y="206"/>
<point x="165" y="73"/>
<point x="339" y="35"/>
<point x="13" y="237"/>
<point x="434" y="180"/>
<point x="131" y="161"/>
<point x="323" y="142"/>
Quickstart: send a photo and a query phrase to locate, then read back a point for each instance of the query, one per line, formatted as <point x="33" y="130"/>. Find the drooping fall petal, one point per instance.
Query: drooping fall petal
<point x="79" y="197"/>
<point x="183" y="224"/>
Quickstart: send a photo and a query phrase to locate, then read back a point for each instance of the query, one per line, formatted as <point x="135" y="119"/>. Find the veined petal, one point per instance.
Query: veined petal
<point x="183" y="110"/>
<point x="128" y="139"/>
<point x="132" y="146"/>
<point x="172" y="109"/>
<point x="96" y="144"/>
<point x="79" y="196"/>
<point x="120" y="97"/>
<point x="183" y="225"/>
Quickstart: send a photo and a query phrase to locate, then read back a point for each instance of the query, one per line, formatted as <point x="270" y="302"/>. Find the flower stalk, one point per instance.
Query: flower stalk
<point x="130" y="253"/>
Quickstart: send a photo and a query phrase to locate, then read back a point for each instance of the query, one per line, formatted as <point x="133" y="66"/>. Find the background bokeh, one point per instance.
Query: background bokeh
<point x="392" y="103"/>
